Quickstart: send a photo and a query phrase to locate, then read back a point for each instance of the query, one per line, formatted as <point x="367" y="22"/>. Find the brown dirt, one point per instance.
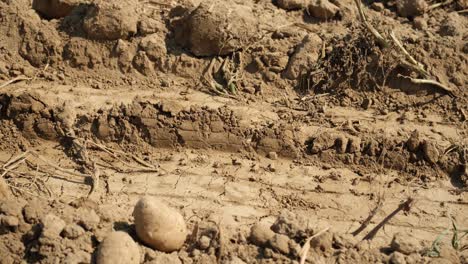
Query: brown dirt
<point x="262" y="122"/>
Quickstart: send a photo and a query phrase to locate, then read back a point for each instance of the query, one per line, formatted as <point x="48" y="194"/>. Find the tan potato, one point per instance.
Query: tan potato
<point x="118" y="248"/>
<point x="158" y="225"/>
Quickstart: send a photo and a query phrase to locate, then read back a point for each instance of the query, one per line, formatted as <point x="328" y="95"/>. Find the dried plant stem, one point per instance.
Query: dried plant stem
<point x="17" y="79"/>
<point x="408" y="56"/>
<point x="437" y="5"/>
<point x="37" y="155"/>
<point x="306" y="247"/>
<point x="381" y="40"/>
<point x="430" y="82"/>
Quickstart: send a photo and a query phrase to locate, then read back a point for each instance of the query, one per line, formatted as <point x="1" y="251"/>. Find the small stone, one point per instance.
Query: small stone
<point x="405" y="244"/>
<point x="72" y="231"/>
<point x="431" y="154"/>
<point x="260" y="234"/>
<point x="204" y="242"/>
<point x="377" y="6"/>
<point x="272" y="155"/>
<point x="413" y="142"/>
<point x="52" y="226"/>
<point x="280" y="243"/>
<point x="397" y="258"/>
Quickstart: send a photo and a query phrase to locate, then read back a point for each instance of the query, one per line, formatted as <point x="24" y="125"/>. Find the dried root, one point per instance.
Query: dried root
<point x="410" y="62"/>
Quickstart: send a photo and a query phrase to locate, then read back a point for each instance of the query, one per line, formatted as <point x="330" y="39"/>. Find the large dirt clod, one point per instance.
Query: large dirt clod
<point x="322" y="9"/>
<point x="413" y="142"/>
<point x="55" y="8"/>
<point x="52" y="226"/>
<point x="111" y="21"/>
<point x="154" y="46"/>
<point x="40" y="43"/>
<point x="118" y="248"/>
<point x="411" y="8"/>
<point x="158" y="225"/>
<point x="291" y="4"/>
<point x="430" y="151"/>
<point x="217" y="28"/>
<point x="306" y="54"/>
<point x="405" y="244"/>
<point x="4" y="189"/>
<point x="260" y="234"/>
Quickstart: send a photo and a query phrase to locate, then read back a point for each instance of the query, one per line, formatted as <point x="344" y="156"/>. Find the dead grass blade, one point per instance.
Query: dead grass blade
<point x="305" y="249"/>
<point x="14" y="80"/>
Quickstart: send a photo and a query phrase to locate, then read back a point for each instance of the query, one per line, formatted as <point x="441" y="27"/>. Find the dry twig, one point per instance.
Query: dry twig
<point x="147" y="167"/>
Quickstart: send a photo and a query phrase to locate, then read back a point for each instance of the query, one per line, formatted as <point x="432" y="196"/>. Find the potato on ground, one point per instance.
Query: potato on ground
<point x="158" y="225"/>
<point x="118" y="248"/>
